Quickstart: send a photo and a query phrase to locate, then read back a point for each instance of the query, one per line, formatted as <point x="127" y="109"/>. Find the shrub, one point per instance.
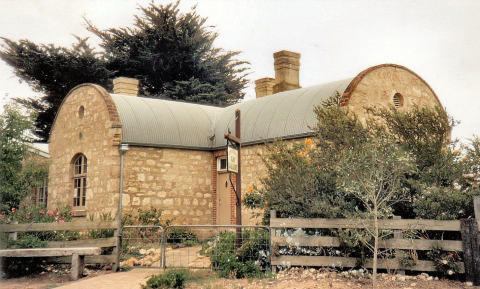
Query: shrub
<point x="171" y="279"/>
<point x="152" y="216"/>
<point x="445" y="204"/>
<point x="445" y="262"/>
<point x="246" y="262"/>
<point x="182" y="236"/>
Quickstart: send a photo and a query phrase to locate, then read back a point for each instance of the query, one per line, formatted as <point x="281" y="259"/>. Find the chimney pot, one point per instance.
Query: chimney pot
<point x="125" y="85"/>
<point x="287" y="71"/>
<point x="264" y="86"/>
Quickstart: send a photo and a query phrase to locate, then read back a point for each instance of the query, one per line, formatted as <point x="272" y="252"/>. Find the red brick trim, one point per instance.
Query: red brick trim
<point x="111" y="107"/>
<point x="345" y="100"/>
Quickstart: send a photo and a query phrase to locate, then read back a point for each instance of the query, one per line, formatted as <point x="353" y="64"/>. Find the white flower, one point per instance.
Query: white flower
<point x="460" y="212"/>
<point x="337" y="252"/>
<point x="444" y="262"/>
<point x="450" y="272"/>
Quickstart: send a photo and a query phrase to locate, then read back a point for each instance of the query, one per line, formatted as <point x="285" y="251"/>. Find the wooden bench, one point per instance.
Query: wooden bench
<point x="78" y="255"/>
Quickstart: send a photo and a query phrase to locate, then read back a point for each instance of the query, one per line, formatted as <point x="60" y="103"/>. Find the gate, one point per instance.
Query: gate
<point x="216" y="246"/>
<point x="142" y="246"/>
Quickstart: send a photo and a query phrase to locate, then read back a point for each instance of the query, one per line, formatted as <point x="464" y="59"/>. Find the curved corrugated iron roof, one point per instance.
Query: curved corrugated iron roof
<point x="165" y="123"/>
<point x="286" y="114"/>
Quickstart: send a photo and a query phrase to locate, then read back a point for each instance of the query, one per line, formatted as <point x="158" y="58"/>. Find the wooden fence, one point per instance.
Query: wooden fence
<point x="398" y="242"/>
<point x="111" y="242"/>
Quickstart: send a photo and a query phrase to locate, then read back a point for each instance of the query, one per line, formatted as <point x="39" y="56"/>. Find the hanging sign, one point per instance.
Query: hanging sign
<point x="232" y="158"/>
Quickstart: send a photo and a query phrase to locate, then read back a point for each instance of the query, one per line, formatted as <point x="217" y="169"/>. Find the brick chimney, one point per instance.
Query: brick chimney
<point x="264" y="86"/>
<point x="287" y="70"/>
<point x="125" y="85"/>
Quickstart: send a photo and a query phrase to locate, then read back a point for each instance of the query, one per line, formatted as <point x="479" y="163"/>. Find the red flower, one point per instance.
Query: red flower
<point x="49" y="213"/>
<point x="13" y="210"/>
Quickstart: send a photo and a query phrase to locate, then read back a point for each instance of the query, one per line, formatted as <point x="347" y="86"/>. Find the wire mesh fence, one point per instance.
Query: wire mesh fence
<point x="217" y="247"/>
<point x="142" y="246"/>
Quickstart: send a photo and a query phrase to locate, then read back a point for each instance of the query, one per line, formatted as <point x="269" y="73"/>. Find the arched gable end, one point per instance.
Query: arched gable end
<point x="107" y="98"/>
<point x="379" y="85"/>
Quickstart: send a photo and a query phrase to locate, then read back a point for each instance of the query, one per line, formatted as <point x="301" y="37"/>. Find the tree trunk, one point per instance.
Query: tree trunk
<point x="375" y="247"/>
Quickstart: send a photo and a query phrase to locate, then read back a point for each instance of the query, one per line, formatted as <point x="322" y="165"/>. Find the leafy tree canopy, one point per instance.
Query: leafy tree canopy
<point x="170" y="52"/>
<point x="18" y="168"/>
<point x="310" y="179"/>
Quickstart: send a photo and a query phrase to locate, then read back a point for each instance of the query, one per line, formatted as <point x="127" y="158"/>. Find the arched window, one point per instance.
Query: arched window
<point x="79" y="180"/>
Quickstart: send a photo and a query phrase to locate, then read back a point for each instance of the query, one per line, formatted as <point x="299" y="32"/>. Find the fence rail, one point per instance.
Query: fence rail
<point x="105" y="242"/>
<point x="395" y="243"/>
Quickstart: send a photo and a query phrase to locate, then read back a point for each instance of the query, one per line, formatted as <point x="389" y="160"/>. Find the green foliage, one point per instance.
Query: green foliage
<point x="445" y="262"/>
<point x="53" y="71"/>
<point x="299" y="184"/>
<point x="27" y="241"/>
<point x="16" y="180"/>
<point x="182" y="236"/>
<point x="445" y="203"/>
<point x="246" y="262"/>
<point x="380" y="168"/>
<point x="471" y="160"/>
<point x="174" y="278"/>
<point x="170" y="52"/>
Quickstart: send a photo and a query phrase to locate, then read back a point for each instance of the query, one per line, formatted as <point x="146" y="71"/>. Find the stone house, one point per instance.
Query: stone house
<point x="171" y="155"/>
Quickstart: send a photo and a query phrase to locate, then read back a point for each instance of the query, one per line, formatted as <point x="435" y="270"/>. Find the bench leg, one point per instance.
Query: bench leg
<point x="78" y="262"/>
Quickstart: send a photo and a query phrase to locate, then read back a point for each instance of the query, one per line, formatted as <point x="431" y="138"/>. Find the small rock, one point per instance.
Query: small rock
<point x="469" y="284"/>
<point x="430" y="278"/>
<point x="424" y="274"/>
<point x="401" y="278"/>
<point x="436" y="279"/>
<point x="312" y="270"/>
<point x="422" y="277"/>
<point x="413" y="284"/>
<point x="394" y="278"/>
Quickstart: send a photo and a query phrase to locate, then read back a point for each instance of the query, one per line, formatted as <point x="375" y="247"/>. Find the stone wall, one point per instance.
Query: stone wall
<point x="91" y="131"/>
<point x="377" y="87"/>
<point x="177" y="181"/>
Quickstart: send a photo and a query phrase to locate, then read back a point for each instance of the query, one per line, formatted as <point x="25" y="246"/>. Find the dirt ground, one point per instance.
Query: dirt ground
<point x="53" y="276"/>
<point x="297" y="278"/>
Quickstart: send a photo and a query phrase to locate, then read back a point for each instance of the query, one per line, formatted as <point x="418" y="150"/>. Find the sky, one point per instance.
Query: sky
<point x="337" y="39"/>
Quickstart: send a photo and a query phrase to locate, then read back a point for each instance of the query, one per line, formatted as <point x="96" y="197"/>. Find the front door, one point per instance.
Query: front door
<point x="223" y="199"/>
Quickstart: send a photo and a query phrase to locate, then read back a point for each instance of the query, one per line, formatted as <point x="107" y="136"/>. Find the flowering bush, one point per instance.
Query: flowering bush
<point x="37" y="214"/>
<point x="445" y="262"/>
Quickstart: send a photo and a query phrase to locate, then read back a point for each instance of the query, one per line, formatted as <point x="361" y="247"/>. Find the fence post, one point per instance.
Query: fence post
<point x="397" y="235"/>
<point x="118" y="247"/>
<point x="469" y="231"/>
<point x="273" y="215"/>
<point x="476" y="207"/>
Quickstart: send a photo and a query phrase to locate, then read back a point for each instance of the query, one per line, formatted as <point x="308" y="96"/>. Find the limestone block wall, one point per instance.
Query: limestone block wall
<point x="253" y="170"/>
<point x="84" y="124"/>
<point x="177" y="181"/>
<point x="377" y="87"/>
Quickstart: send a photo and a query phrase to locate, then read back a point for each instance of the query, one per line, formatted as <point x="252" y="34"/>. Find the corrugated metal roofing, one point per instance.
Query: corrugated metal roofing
<point x="287" y="114"/>
<point x="165" y="123"/>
